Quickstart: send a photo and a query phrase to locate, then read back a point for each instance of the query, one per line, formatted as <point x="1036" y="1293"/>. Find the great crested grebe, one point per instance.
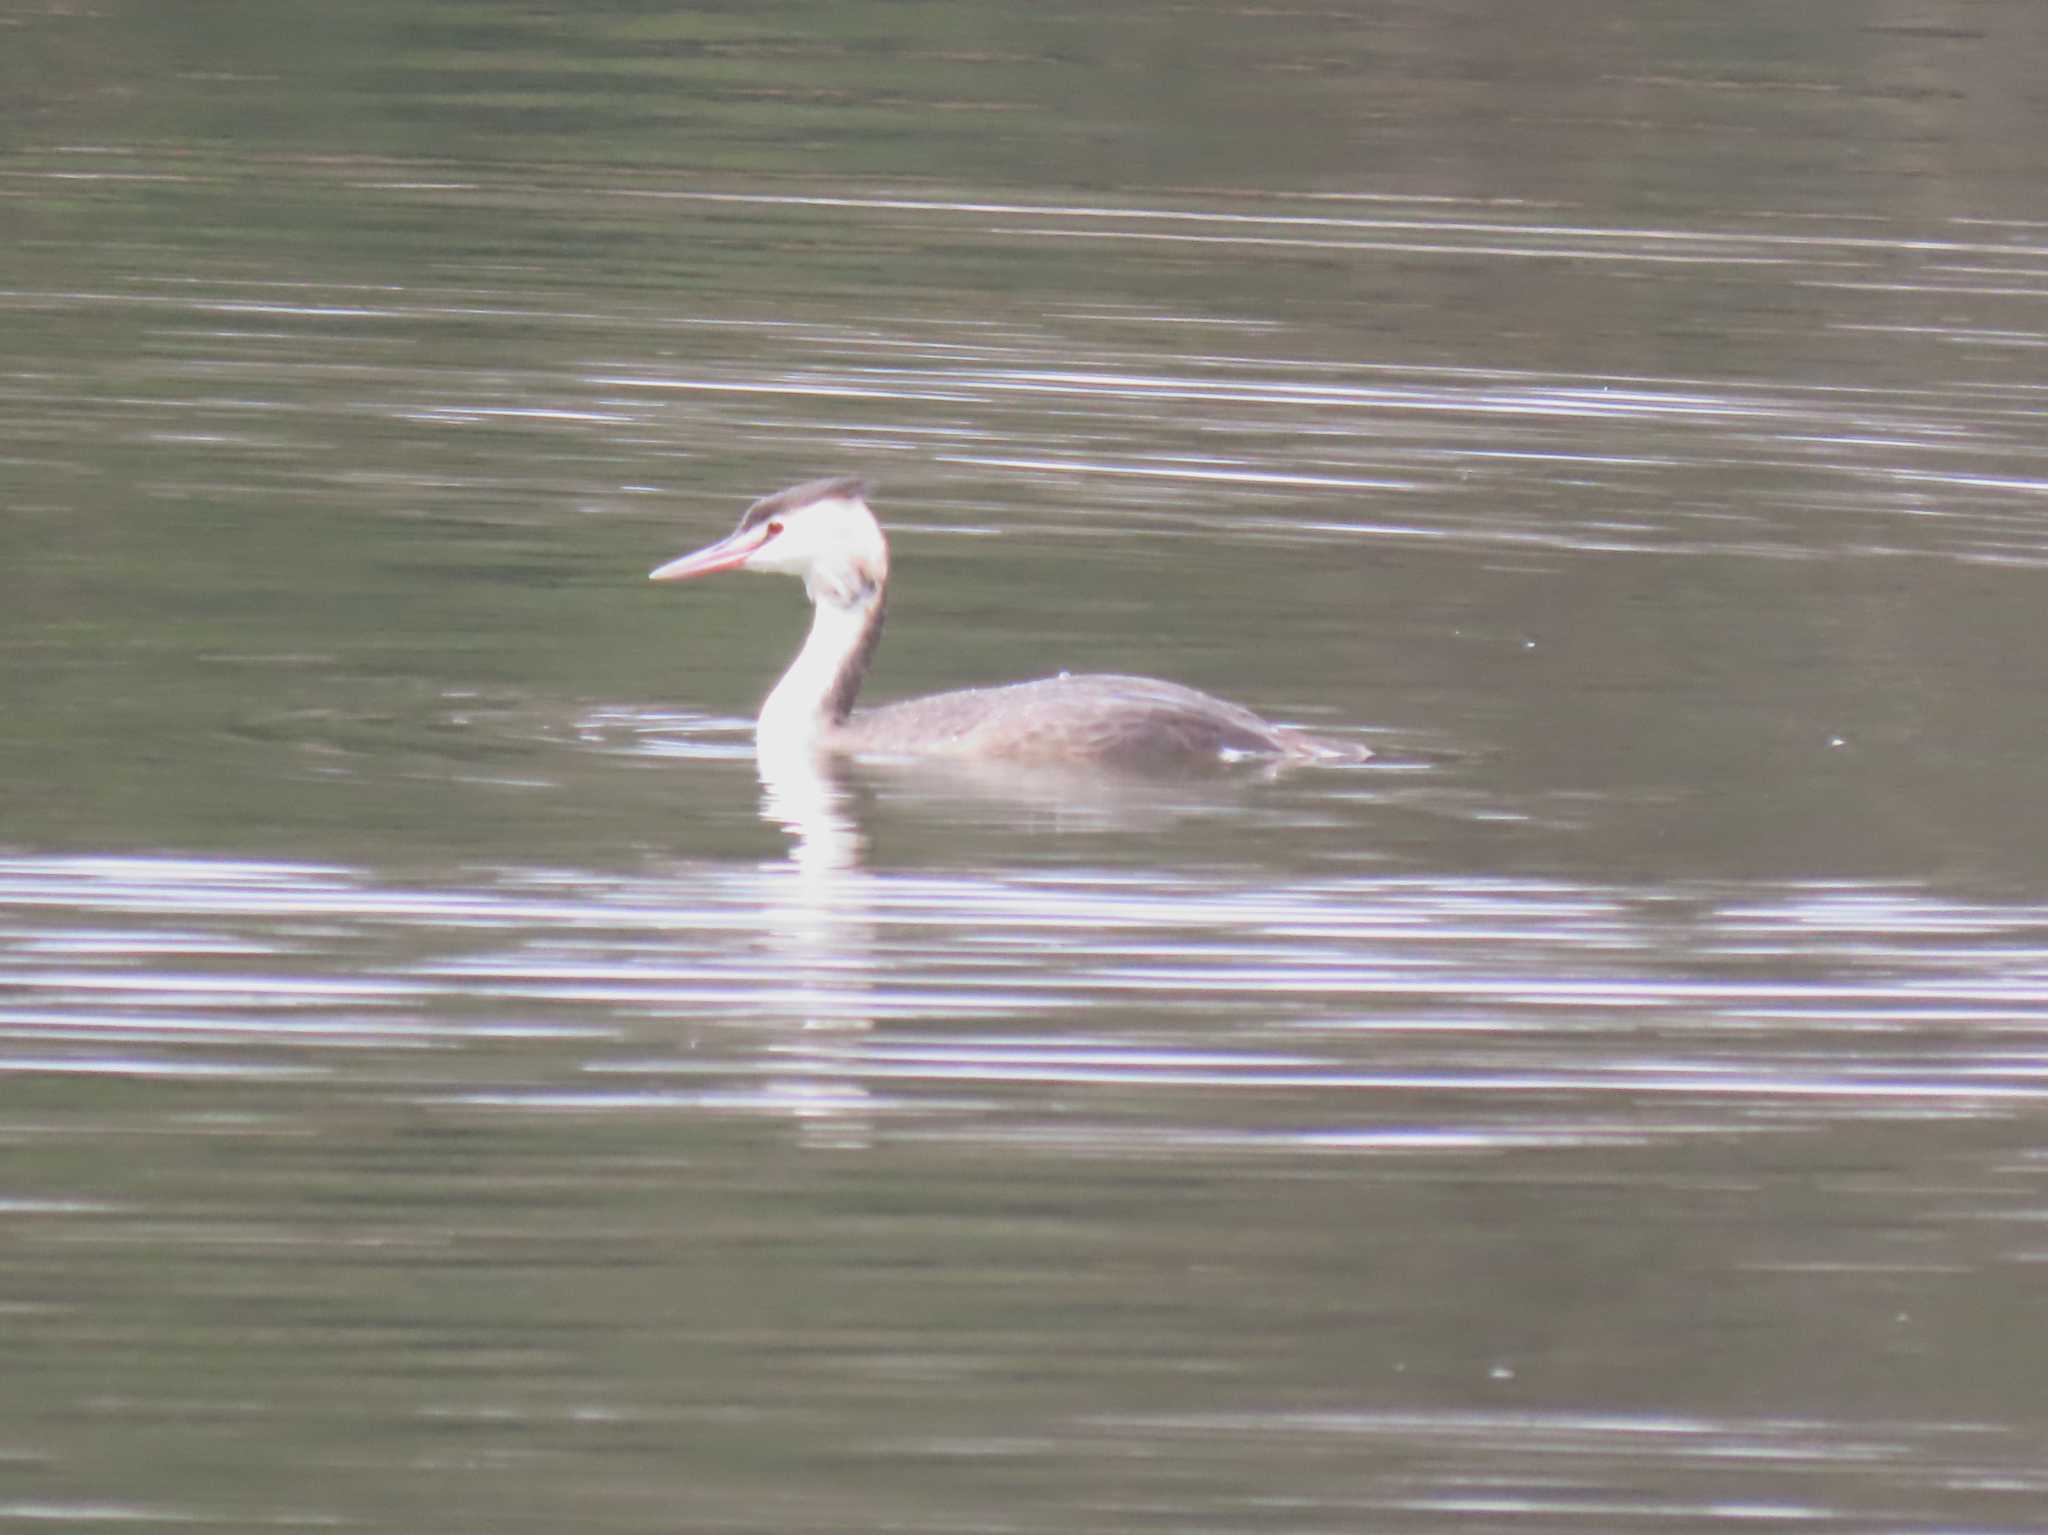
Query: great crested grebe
<point x="824" y="532"/>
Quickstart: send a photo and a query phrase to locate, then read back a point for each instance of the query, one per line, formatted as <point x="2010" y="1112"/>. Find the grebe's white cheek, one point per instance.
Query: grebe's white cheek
<point x="771" y="560"/>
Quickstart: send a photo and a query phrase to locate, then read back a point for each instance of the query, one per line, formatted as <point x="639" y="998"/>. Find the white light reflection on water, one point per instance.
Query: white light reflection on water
<point x="1433" y="437"/>
<point x="1359" y="1012"/>
<point x="1549" y="1465"/>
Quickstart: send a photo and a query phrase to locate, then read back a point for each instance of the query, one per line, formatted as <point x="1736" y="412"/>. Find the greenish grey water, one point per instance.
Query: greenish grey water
<point x="443" y="1088"/>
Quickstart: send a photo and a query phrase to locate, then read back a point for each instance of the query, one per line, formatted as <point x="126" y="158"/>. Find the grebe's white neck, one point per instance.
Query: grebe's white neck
<point x="817" y="692"/>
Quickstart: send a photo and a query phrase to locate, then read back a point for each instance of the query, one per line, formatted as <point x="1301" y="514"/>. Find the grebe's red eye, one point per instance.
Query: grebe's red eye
<point x="774" y="528"/>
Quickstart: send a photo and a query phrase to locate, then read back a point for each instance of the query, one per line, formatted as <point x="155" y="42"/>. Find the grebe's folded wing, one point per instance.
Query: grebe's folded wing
<point x="1130" y="721"/>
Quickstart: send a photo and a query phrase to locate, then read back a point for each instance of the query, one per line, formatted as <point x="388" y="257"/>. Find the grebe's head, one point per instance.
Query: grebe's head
<point x="821" y="531"/>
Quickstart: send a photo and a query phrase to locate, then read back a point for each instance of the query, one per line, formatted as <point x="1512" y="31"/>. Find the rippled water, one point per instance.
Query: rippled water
<point x="446" y="1087"/>
<point x="1365" y="1197"/>
<point x="1630" y="1013"/>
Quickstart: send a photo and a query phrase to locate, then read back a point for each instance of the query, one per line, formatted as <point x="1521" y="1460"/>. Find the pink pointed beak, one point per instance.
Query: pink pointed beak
<point x="727" y="554"/>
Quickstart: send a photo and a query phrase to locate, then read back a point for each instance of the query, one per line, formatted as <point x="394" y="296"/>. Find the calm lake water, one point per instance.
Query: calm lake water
<point x="444" y="1088"/>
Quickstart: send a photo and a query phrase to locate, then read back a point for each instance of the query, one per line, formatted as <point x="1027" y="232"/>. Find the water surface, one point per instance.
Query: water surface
<point x="447" y="1088"/>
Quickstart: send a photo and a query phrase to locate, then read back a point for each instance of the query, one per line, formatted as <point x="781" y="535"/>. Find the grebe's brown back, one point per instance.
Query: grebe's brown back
<point x="823" y="532"/>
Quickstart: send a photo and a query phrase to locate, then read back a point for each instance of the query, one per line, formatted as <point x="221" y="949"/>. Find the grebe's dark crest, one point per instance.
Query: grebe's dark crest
<point x="823" y="532"/>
